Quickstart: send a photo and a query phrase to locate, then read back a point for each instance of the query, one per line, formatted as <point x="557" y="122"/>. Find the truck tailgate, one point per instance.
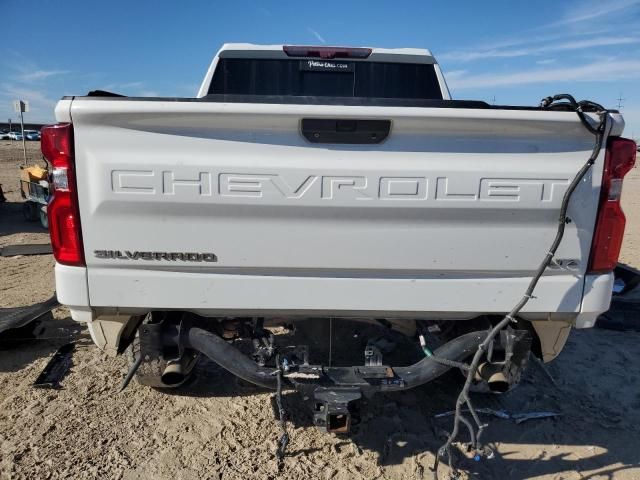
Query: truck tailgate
<point x="453" y="212"/>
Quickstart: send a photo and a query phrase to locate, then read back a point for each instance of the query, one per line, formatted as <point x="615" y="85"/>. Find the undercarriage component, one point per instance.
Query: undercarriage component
<point x="177" y="370"/>
<point x="333" y="408"/>
<point x="372" y="356"/>
<point x="228" y="357"/>
<point x="332" y="391"/>
<point x="263" y="344"/>
<point x="368" y="379"/>
<point x="154" y="356"/>
<point x="498" y="376"/>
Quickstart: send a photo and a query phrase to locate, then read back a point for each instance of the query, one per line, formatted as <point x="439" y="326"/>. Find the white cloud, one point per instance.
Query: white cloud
<point x="528" y="37"/>
<point x="584" y="25"/>
<point x="601" y="71"/>
<point x="546" y="61"/>
<point x="481" y="54"/>
<point x="453" y="74"/>
<point x="131" y="85"/>
<point x="589" y="11"/>
<point x="123" y="86"/>
<point x="9" y="90"/>
<point x="40" y="105"/>
<point x="36" y="75"/>
<point x="316" y="34"/>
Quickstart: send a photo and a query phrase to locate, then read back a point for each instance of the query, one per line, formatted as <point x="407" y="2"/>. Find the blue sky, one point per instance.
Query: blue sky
<point x="516" y="52"/>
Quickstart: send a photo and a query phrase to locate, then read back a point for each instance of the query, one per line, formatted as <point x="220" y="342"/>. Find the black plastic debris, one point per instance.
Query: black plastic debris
<point x="624" y="313"/>
<point x="16" y="317"/>
<point x="26" y="249"/>
<point x="626" y="279"/>
<point x="57" y="367"/>
<point x="621" y="316"/>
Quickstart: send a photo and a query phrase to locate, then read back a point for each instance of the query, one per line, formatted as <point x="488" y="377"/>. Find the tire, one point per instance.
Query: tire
<point x="150" y="371"/>
<point x="30" y="211"/>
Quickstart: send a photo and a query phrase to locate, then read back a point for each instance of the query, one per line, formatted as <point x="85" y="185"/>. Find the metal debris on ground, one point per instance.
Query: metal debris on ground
<point x="57" y="367"/>
<point x="523" y="417"/>
<point x="487" y="411"/>
<point x="503" y="414"/>
<point x="618" y="285"/>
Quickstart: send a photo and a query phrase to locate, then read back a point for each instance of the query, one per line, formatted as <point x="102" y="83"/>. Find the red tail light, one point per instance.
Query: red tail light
<point x="607" y="239"/>
<point x="63" y="212"/>
<point x="326" y="52"/>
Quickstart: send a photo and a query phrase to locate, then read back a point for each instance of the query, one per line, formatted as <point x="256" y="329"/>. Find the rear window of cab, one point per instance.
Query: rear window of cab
<point x="325" y="78"/>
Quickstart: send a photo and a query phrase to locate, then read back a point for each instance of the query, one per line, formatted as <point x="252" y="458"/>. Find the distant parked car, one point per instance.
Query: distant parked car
<point x="15" y="135"/>
<point x="4" y="135"/>
<point x="32" y="135"/>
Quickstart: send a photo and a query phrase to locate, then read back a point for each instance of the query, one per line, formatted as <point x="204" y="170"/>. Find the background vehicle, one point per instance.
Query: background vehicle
<point x="32" y="135"/>
<point x="15" y="135"/>
<point x="4" y="135"/>
<point x="307" y="183"/>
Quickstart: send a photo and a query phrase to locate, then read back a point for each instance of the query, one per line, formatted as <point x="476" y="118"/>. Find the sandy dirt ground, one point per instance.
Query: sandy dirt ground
<point x="216" y="428"/>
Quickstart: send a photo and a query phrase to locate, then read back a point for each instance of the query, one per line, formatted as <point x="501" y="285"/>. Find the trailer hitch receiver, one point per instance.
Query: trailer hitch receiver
<point x="333" y="408"/>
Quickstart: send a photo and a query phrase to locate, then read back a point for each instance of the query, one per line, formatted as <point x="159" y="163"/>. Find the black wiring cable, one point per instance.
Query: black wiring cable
<point x="556" y="102"/>
<point x="284" y="438"/>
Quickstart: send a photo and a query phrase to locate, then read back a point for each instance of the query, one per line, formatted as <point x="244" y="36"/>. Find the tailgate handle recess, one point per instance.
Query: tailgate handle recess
<point x="351" y="131"/>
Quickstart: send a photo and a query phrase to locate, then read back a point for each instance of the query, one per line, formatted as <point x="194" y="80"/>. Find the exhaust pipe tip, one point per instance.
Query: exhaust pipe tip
<point x="493" y="377"/>
<point x="498" y="384"/>
<point x="173" y="374"/>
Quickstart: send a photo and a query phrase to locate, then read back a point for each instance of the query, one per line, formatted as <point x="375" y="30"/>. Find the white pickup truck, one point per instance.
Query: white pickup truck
<point x="318" y="182"/>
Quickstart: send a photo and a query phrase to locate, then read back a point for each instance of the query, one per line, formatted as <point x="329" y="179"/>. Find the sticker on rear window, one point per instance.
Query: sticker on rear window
<point x="325" y="66"/>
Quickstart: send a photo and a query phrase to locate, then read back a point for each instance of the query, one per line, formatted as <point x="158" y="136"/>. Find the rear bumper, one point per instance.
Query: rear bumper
<point x="72" y="290"/>
<point x="136" y="291"/>
<point x="596" y="299"/>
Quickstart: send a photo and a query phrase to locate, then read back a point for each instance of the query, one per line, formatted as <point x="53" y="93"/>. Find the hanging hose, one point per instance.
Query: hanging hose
<point x="284" y="438"/>
<point x="557" y="102"/>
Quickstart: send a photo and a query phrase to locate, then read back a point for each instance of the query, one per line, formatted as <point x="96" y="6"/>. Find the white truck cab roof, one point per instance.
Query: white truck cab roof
<point x="291" y="52"/>
<point x="279" y="49"/>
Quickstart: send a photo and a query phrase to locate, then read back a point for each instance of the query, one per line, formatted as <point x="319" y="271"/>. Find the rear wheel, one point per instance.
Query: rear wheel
<point x="151" y="370"/>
